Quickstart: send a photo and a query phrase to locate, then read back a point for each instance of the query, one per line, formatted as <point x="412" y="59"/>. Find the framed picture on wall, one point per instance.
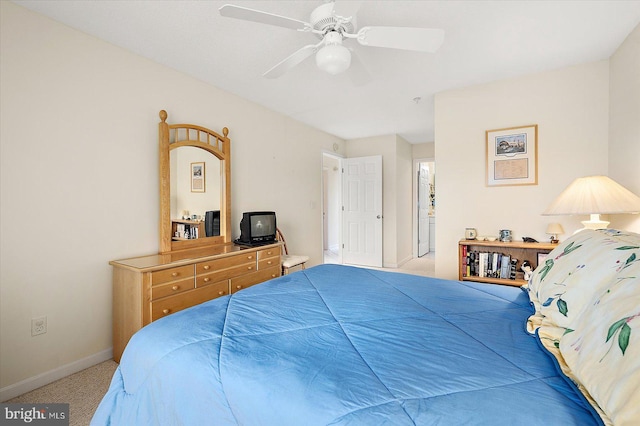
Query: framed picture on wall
<point x="197" y="177"/>
<point x="512" y="156"/>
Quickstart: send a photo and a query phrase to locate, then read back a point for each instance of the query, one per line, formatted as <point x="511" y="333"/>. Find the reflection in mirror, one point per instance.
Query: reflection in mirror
<point x="185" y="201"/>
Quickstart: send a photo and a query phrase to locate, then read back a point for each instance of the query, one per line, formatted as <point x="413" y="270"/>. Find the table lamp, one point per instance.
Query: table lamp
<point x="594" y="195"/>
<point x="554" y="229"/>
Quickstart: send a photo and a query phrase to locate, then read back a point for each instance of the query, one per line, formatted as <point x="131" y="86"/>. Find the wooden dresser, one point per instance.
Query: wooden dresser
<point x="150" y="287"/>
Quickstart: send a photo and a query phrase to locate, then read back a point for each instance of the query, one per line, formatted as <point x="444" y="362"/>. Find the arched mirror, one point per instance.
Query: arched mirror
<point x="195" y="186"/>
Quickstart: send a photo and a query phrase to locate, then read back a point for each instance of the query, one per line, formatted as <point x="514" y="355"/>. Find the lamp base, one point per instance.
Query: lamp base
<point x="595" y="223"/>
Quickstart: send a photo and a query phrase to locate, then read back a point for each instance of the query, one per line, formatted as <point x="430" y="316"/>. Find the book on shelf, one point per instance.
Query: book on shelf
<point x="505" y="266"/>
<point x="488" y="264"/>
<point x="186" y="231"/>
<point x="514" y="265"/>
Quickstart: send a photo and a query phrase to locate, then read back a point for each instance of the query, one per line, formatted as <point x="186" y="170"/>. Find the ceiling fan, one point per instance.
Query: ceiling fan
<point x="333" y="28"/>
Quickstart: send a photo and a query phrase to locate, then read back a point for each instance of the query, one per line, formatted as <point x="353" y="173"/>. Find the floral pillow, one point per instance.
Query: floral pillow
<point x="587" y="304"/>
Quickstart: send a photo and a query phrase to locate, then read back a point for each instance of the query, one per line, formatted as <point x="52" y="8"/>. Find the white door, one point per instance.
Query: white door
<point x="423" y="209"/>
<point x="362" y="210"/>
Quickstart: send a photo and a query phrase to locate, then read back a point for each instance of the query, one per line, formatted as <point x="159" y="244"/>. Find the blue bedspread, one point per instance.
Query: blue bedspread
<point x="338" y="345"/>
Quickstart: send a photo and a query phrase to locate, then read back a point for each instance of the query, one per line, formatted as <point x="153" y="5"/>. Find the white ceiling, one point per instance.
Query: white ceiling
<point x="484" y="41"/>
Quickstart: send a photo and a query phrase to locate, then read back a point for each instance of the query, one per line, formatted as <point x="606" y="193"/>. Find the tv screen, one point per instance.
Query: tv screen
<point x="257" y="228"/>
<point x="263" y="225"/>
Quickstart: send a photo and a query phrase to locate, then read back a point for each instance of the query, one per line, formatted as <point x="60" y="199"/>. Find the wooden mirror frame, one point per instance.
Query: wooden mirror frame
<point x="172" y="136"/>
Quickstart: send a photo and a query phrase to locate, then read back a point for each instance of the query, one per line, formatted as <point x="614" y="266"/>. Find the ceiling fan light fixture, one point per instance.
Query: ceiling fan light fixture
<point x="334" y="27"/>
<point x="333" y="58"/>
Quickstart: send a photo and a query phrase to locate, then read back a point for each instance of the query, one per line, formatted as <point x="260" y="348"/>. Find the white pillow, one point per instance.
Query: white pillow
<point x="587" y="305"/>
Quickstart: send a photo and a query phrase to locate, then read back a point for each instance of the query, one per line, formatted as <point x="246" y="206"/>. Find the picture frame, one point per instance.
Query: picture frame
<point x="541" y="258"/>
<point x="512" y="156"/>
<point x="198" y="177"/>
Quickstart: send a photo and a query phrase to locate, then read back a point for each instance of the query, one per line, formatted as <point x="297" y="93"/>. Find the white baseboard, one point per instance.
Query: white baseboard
<point x="47" y="377"/>
<point x="398" y="264"/>
<point x="405" y="260"/>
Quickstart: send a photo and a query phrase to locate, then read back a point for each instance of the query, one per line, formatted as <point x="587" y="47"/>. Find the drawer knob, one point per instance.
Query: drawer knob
<point x="166" y="311"/>
<point x="273" y="275"/>
<point x="175" y="287"/>
<point x="238" y="287"/>
<point x="206" y="280"/>
<point x="220" y="293"/>
<point x="174" y="274"/>
<point x="269" y="262"/>
<point x="249" y="268"/>
<point x="249" y="257"/>
<point x="268" y="252"/>
<point x="206" y="267"/>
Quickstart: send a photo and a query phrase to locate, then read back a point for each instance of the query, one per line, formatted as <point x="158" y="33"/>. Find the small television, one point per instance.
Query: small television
<point x="257" y="228"/>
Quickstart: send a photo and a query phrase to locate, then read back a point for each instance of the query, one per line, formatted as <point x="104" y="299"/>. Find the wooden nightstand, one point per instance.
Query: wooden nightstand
<point x="470" y="251"/>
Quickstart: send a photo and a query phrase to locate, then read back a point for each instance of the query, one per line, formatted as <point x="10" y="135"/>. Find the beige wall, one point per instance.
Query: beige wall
<point x="425" y="150"/>
<point x="571" y="108"/>
<point x="79" y="176"/>
<point x="404" y="201"/>
<point x="624" y="123"/>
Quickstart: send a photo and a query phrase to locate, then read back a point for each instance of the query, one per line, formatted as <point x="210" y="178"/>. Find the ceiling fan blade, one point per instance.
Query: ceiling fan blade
<point x="292" y="60"/>
<point x="418" y="39"/>
<point x="238" y="12"/>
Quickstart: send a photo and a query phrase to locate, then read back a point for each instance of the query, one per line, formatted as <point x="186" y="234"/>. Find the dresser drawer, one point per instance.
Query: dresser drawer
<point x="269" y="262"/>
<point x="257" y="277"/>
<point x="159" y="291"/>
<point x="270" y="252"/>
<point x="171" y="274"/>
<point x="226" y="262"/>
<point x="205" y="280"/>
<point x="222" y="287"/>
<point x="169" y="305"/>
<point x="225" y="274"/>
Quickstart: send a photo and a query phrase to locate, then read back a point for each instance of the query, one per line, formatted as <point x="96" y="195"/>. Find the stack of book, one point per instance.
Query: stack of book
<point x="488" y="264"/>
<point x="186" y="231"/>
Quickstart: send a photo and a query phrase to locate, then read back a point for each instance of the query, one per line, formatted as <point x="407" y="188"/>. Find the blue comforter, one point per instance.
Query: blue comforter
<point x="338" y="345"/>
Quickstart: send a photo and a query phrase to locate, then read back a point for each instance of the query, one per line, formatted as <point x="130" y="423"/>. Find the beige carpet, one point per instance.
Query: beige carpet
<point x="425" y="265"/>
<point x="83" y="391"/>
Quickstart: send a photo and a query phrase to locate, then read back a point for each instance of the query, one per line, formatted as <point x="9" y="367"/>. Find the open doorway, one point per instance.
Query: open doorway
<point x="331" y="204"/>
<point x="424" y="207"/>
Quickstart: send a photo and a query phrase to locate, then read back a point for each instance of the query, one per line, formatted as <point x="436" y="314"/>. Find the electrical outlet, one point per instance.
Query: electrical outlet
<point x="38" y="326"/>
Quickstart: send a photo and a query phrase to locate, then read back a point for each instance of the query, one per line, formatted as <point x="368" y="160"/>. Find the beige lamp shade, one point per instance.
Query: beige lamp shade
<point x="554" y="229"/>
<point x="594" y="195"/>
